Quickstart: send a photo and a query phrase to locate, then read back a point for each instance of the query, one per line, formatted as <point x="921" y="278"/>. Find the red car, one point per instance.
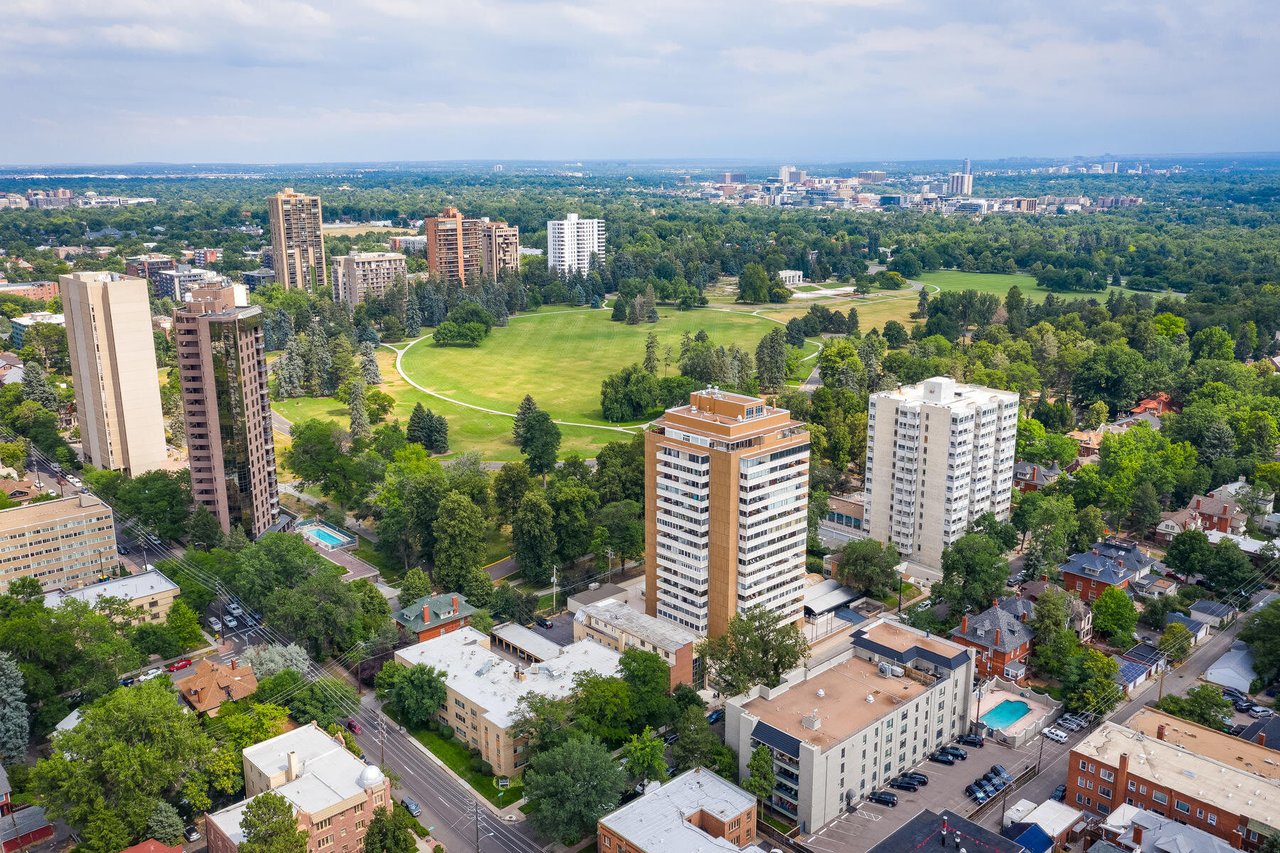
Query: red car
<point x="178" y="664"/>
<point x="353" y="726"/>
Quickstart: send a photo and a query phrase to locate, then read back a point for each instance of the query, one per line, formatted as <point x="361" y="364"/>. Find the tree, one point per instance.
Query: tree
<point x="771" y="360"/>
<point x="36" y="387"/>
<point x="270" y="827"/>
<point x="388" y="833"/>
<point x="459" y="531"/>
<point x="619" y="313"/>
<point x="757" y="648"/>
<point x="645" y="757"/>
<point x="1229" y="570"/>
<point x="1052" y="528"/>
<point x="602" y="706"/>
<point x="1176" y="642"/>
<point x="419" y="694"/>
<point x="1055" y="644"/>
<point x="183" y="625"/>
<point x="651" y="354"/>
<point x="698" y="745"/>
<point x="1203" y="704"/>
<point x="540" y="443"/>
<point x="1144" y="512"/>
<point x="165" y="825"/>
<point x="760" y="775"/>
<point x="1189" y="552"/>
<point x="1089" y="683"/>
<point x="369" y="364"/>
<point x="570" y="787"/>
<point x="868" y="566"/>
<point x="131" y="748"/>
<point x="974" y="572"/>
<point x="437" y="433"/>
<point x="510" y="484"/>
<point x="419" y="429"/>
<point x="14" y="728"/>
<point x="270" y="660"/>
<point x="648" y="678"/>
<point x="623" y="522"/>
<point x="415" y="585"/>
<point x="533" y="538"/>
<point x="325" y="700"/>
<point x="1115" y="616"/>
<point x="360" y="428"/>
<point x="203" y="530"/>
<point x="574" y="505"/>
<point x="542" y="721"/>
<point x="526" y="408"/>
<point x="894" y="334"/>
<point x="1262" y="632"/>
<point x="1095" y="415"/>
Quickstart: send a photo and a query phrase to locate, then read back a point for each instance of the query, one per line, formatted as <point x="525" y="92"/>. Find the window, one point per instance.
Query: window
<point x="608" y="841"/>
<point x="1080" y="799"/>
<point x="324" y="824"/>
<point x="1106" y="775"/>
<point x="1182" y="807"/>
<point x="1200" y="814"/>
<point x="359" y="809"/>
<point x="1160" y="797"/>
<point x="325" y="842"/>
<point x="1104" y="793"/>
<point x="360" y="824"/>
<point x="1132" y="785"/>
<point x="1083" y="764"/>
<point x="1213" y="819"/>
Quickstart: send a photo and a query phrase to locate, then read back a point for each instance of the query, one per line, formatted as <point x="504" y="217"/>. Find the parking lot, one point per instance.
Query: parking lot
<point x="871" y="823"/>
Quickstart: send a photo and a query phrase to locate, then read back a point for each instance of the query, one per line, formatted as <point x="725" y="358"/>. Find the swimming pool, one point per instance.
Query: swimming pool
<point x="326" y="536"/>
<point x="1006" y="713"/>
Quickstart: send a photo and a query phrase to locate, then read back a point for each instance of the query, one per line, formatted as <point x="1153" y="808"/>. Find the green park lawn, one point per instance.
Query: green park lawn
<point x="999" y="284"/>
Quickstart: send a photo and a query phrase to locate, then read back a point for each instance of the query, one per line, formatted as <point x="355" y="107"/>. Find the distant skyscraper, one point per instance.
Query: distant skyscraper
<point x="726" y="511"/>
<point x="221" y="360"/>
<point x="960" y="184"/>
<point x="113" y="366"/>
<point x="465" y="250"/>
<point x="572" y="241"/>
<point x="939" y="454"/>
<point x="967" y="170"/>
<point x="501" y="247"/>
<point x="297" y="239"/>
<point x="360" y="275"/>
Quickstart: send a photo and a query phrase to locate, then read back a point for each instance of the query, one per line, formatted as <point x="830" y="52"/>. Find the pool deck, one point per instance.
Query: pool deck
<point x="356" y="567"/>
<point x="1036" y="715"/>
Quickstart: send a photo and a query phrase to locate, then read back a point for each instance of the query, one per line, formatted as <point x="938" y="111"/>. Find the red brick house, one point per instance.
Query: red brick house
<point x="1112" y="562"/>
<point x="1002" y="641"/>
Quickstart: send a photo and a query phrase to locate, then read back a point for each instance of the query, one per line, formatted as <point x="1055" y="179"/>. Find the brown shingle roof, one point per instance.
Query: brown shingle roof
<point x="211" y="683"/>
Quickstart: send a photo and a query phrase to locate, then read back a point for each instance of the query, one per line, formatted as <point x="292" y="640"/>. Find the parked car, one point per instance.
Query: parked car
<point x="976" y="793"/>
<point x="904" y="784"/>
<point x="353" y="726"/>
<point x="1237" y="730"/>
<point x="191" y="833"/>
<point x="956" y="752"/>
<point x="986" y="788"/>
<point x="1233" y="694"/>
<point x="1244" y="706"/>
<point x="715" y="716"/>
<point x="916" y="776"/>
<point x="995" y="782"/>
<point x="670" y="737"/>
<point x="125" y="682"/>
<point x="150" y="674"/>
<point x="972" y="740"/>
<point x="1060" y="793"/>
<point x="942" y="758"/>
<point x="411" y="807"/>
<point x="179" y="664"/>
<point x="122" y="550"/>
<point x="215" y="624"/>
<point x="1258" y="712"/>
<point x="230" y="621"/>
<point x="544" y="622"/>
<point x="999" y="770"/>
<point x="1070" y="724"/>
<point x="1055" y="735"/>
<point x="234" y="609"/>
<point x="884" y="798"/>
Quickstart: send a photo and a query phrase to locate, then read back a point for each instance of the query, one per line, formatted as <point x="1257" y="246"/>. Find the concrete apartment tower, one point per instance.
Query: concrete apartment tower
<point x="939" y="454"/>
<point x="501" y="247"/>
<point x="572" y="241"/>
<point x="223" y="367"/>
<point x="297" y="239"/>
<point x="359" y="275"/>
<point x="113" y="365"/>
<point x="726" y="511"/>
<point x="464" y="250"/>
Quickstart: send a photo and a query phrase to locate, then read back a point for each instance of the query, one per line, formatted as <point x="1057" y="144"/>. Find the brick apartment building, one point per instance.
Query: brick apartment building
<point x="695" y="811"/>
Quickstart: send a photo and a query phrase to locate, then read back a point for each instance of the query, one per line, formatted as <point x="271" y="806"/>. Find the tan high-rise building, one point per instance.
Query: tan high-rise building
<point x="113" y="365"/>
<point x="360" y="275"/>
<point x="960" y="183"/>
<point x="462" y="250"/>
<point x="297" y="238"/>
<point x="63" y="543"/>
<point x="223" y="368"/>
<point x="726" y="511"/>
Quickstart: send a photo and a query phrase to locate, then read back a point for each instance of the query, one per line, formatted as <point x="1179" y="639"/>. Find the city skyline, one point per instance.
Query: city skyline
<point x="657" y="80"/>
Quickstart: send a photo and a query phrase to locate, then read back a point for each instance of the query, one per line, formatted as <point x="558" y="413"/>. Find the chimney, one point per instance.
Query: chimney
<point x="1093" y="551"/>
<point x="455" y="604"/>
<point x="1124" y="764"/>
<point x="1160" y="732"/>
<point x="234" y="664"/>
<point x="1035" y="469"/>
<point x="1023" y="616"/>
<point x="1261" y="739"/>
<point x="295" y="767"/>
<point x="964" y="624"/>
<point x="997" y="642"/>
<point x="1137" y="835"/>
<point x="1197" y="503"/>
<point x="426" y="614"/>
<point x="1044" y="577"/>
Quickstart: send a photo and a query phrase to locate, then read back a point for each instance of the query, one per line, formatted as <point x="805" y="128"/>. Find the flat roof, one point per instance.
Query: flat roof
<point x="128" y="588"/>
<point x="659" y="820"/>
<point x="945" y="391"/>
<point x="903" y="639"/>
<point x="54" y="509"/>
<point x="855" y="695"/>
<point x="528" y="641"/>
<point x="489" y="680"/>
<point x="661" y="633"/>
<point x="328" y="772"/>
<point x="1233" y="751"/>
<point x="1223" y="786"/>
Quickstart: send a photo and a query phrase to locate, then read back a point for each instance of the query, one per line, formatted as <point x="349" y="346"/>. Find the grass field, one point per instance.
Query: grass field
<point x="353" y="230"/>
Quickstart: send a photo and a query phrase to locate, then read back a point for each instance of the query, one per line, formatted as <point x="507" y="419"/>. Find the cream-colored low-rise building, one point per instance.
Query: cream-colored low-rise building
<point x="149" y="593"/>
<point x="61" y="543"/>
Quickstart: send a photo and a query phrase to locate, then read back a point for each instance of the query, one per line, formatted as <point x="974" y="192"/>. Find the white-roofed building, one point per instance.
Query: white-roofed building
<point x="151" y="592"/>
<point x="1055" y="818"/>
<point x="696" y="812"/>
<point x="620" y="627"/>
<point x="332" y="792"/>
<point x="484" y="688"/>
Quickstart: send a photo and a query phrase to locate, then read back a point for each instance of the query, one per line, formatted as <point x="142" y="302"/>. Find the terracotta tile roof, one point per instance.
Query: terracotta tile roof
<point x="211" y="683"/>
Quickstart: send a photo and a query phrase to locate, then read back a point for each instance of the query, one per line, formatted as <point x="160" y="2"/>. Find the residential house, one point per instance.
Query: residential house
<point x="1130" y="828"/>
<point x="333" y="793"/>
<point x="23" y="828"/>
<point x="1157" y="404"/>
<point x="19" y="491"/>
<point x="1234" y="668"/>
<point x="1002" y="640"/>
<point x="1215" y="511"/>
<point x="1199" y="630"/>
<point x="1153" y="585"/>
<point x="1080" y="619"/>
<point x="211" y="683"/>
<point x="696" y="811"/>
<point x="1032" y="476"/>
<point x="11" y="370"/>
<point x="1148" y="655"/>
<point x="6" y="793"/>
<point x="1258" y="501"/>
<point x="1215" y="614"/>
<point x="1130" y="675"/>
<point x="1111" y="562"/>
<point x="149" y="593"/>
<point x="152" y="846"/>
<point x="433" y="615"/>
<point x="620" y="627"/>
<point x="1264" y="732"/>
<point x="1055" y="819"/>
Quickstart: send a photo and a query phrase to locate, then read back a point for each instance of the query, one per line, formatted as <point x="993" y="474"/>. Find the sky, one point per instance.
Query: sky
<point x="805" y="81"/>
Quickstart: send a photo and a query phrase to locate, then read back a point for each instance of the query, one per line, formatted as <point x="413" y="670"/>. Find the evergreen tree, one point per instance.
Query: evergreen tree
<point x="36" y="387"/>
<point x="412" y="319"/>
<point x="635" y="310"/>
<point x="14" y="728"/>
<point x="165" y="824"/>
<point x="438" y="433"/>
<point x="651" y="354"/>
<point x="771" y="360"/>
<point x="527" y="407"/>
<point x="541" y="443"/>
<point x="369" y="365"/>
<point x="579" y="297"/>
<point x="419" y="430"/>
<point x="291" y="370"/>
<point x="533" y="537"/>
<point x="619" y="314"/>
<point x="357" y="408"/>
<point x="649" y="305"/>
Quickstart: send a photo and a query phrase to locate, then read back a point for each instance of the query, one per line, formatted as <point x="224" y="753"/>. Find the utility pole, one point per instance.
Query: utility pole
<point x="1041" y="756"/>
<point x="382" y="748"/>
<point x="554" y="579"/>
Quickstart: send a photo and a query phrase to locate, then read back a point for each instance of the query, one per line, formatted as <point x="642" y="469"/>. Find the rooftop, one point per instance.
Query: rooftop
<point x="660" y="633"/>
<point x="1233" y="751"/>
<point x="127" y="588"/>
<point x="829" y="707"/>
<point x="945" y="391"/>
<point x="925" y="829"/>
<point x="660" y="820"/>
<point x="1163" y="834"/>
<point x="152" y="846"/>
<point x="1111" y="561"/>
<point x="211" y="683"/>
<point x="528" y="641"/>
<point x="906" y="644"/>
<point x="432" y="610"/>
<point x="33" y="513"/>
<point x="994" y="628"/>
<point x="491" y="681"/>
<point x="1233" y="790"/>
<point x="328" y="774"/>
<point x="1212" y="608"/>
<point x="1054" y="817"/>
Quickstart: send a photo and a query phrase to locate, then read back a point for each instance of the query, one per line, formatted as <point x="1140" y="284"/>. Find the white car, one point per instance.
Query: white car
<point x="230" y="622"/>
<point x="1055" y="735"/>
<point x="234" y="609"/>
<point x="215" y="624"/>
<point x="1259" y="711"/>
<point x="150" y="674"/>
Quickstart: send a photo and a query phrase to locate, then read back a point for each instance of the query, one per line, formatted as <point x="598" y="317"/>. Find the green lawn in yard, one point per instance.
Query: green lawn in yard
<point x="561" y="358"/>
<point x="457" y="756"/>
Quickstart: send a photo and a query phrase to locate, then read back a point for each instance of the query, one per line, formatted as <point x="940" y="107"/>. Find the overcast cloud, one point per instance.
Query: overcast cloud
<point x="97" y="81"/>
